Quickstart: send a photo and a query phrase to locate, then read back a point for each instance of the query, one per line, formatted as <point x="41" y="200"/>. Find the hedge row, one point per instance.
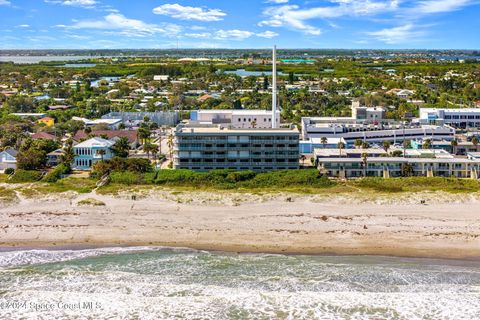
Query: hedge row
<point x="225" y="179"/>
<point x="25" y="176"/>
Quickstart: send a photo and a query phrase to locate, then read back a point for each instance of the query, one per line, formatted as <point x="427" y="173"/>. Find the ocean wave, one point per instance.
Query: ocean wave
<point x="166" y="283"/>
<point x="14" y="258"/>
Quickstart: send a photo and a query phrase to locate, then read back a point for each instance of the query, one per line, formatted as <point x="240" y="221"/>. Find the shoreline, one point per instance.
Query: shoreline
<point x="152" y="248"/>
<point x="245" y="223"/>
<point x="361" y="252"/>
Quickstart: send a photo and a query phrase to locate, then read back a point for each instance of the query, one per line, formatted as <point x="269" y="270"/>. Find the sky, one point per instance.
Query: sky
<point x="117" y="24"/>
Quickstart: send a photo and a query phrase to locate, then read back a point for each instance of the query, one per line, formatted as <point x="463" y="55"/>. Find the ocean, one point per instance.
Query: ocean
<point x="166" y="283"/>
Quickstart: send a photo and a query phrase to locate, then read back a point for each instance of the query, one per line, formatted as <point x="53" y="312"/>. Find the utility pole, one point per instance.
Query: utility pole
<point x="274" y="87"/>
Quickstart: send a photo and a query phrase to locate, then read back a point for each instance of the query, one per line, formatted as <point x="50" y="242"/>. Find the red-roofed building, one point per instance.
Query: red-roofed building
<point x="204" y="98"/>
<point x="43" y="135"/>
<point x="131" y="135"/>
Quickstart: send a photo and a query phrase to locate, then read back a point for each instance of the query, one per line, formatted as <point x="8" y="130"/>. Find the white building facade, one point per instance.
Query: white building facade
<point x="457" y="117"/>
<point x="240" y="119"/>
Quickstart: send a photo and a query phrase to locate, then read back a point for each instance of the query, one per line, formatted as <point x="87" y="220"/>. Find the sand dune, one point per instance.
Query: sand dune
<point x="447" y="226"/>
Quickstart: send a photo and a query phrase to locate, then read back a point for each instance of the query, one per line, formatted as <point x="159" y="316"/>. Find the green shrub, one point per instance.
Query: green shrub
<point x="228" y="179"/>
<point x="180" y="176"/>
<point x="150" y="177"/>
<point x="9" y="171"/>
<point x="126" y="177"/>
<point x="417" y="184"/>
<point x="289" y="178"/>
<point x="25" y="176"/>
<point x="101" y="168"/>
<point x="57" y="172"/>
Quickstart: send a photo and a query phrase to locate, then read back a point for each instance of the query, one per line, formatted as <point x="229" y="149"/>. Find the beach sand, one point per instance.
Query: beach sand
<point x="446" y="226"/>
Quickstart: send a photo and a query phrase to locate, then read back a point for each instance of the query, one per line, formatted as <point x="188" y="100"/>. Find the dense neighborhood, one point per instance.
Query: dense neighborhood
<point x="401" y="116"/>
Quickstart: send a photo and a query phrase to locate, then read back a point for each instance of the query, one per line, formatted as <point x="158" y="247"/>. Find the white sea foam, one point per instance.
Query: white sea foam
<point x="38" y="256"/>
<point x="130" y="283"/>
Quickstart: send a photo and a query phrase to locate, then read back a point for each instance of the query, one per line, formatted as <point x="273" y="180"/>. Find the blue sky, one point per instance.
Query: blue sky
<point x="86" y="24"/>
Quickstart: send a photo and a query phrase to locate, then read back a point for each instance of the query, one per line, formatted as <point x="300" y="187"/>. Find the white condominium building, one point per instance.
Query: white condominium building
<point x="456" y="117"/>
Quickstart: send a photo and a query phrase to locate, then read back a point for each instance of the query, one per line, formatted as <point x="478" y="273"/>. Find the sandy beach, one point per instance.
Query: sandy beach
<point x="445" y="226"/>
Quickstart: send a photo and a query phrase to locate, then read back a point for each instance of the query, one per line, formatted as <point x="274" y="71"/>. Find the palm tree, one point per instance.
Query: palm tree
<point x="144" y="133"/>
<point x="68" y="155"/>
<point x="154" y="150"/>
<point x="101" y="152"/>
<point x="454" y="144"/>
<point x="147" y="148"/>
<point x="365" y="145"/>
<point x="324" y="141"/>
<point x="475" y="142"/>
<point x="340" y="146"/>
<point x="406" y="144"/>
<point x="302" y="159"/>
<point x="427" y="144"/>
<point x="386" y="145"/>
<point x="121" y="147"/>
<point x="170" y="146"/>
<point x="358" y="143"/>
<point x="364" y="163"/>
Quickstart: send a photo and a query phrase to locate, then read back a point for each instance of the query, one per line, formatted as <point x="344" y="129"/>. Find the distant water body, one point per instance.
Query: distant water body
<point x="37" y="59"/>
<point x="163" y="283"/>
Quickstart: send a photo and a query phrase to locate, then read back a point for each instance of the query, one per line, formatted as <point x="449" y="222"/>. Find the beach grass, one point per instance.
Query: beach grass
<point x="268" y="183"/>
<point x="79" y="185"/>
<point x="3" y="177"/>
<point x="7" y="195"/>
<point x="91" y="202"/>
<point x="417" y="184"/>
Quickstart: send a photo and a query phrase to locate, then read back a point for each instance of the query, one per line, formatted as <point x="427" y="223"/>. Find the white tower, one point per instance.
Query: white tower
<point x="274" y="87"/>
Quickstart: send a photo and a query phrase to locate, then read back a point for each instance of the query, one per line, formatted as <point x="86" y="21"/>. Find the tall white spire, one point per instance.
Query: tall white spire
<point x="274" y="87"/>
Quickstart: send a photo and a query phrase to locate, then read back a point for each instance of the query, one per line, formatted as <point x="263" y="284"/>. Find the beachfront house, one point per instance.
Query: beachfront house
<point x="91" y="151"/>
<point x="53" y="158"/>
<point x="8" y="159"/>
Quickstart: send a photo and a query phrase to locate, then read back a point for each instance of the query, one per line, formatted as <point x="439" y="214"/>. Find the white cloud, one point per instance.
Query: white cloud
<point x="438" y="6"/>
<point x="277" y="1"/>
<point x="201" y="35"/>
<point x="75" y="3"/>
<point x="5" y="3"/>
<point x="231" y="35"/>
<point x="78" y="37"/>
<point x="234" y="34"/>
<point x="294" y="17"/>
<point x="267" y="34"/>
<point x="401" y="34"/>
<point x="178" y="11"/>
<point x="129" y="27"/>
<point x="23" y="26"/>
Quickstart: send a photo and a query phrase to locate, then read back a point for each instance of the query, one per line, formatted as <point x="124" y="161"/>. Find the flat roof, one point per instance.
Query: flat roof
<point x="330" y="140"/>
<point x="242" y="111"/>
<point x="401" y="159"/>
<point x="235" y="130"/>
<point x="452" y="110"/>
<point x="29" y="114"/>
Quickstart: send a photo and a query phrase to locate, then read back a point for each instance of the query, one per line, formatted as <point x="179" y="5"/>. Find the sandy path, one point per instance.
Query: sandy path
<point x="306" y="225"/>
